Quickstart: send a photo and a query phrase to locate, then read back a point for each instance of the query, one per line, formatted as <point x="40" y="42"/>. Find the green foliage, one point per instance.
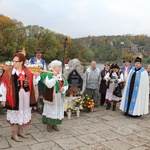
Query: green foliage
<point x="14" y="35"/>
<point x="31" y="44"/>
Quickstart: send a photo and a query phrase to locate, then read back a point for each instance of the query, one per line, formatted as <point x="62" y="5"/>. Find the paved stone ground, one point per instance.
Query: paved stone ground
<point x="99" y="130"/>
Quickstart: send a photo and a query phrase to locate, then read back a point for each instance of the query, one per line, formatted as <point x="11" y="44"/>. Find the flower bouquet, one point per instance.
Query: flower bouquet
<point x="78" y="103"/>
<point x="73" y="91"/>
<point x="69" y="109"/>
<point x="88" y="103"/>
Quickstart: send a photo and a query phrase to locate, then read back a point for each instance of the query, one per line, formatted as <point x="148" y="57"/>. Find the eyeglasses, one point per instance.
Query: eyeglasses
<point x="15" y="61"/>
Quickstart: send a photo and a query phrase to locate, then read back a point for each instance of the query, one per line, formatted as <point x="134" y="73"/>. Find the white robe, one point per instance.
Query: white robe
<point x="142" y="101"/>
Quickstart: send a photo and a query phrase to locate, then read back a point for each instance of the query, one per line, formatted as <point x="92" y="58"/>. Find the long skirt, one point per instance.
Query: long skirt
<point x="109" y="93"/>
<point x="54" y="113"/>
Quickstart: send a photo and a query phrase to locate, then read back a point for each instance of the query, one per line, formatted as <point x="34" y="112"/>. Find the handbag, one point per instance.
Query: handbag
<point x="117" y="91"/>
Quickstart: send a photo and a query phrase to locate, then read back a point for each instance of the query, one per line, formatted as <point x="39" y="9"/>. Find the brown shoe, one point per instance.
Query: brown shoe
<point x="49" y="128"/>
<point x="23" y="135"/>
<point x="55" y="128"/>
<point x="15" y="137"/>
<point x="21" y="132"/>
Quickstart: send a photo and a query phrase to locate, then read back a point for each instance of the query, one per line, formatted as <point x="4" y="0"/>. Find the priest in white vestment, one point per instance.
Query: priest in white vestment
<point x="135" y="100"/>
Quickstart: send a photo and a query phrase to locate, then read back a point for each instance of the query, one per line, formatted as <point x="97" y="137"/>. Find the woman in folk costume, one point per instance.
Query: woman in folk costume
<point x="113" y="77"/>
<point x="55" y="88"/>
<point x="103" y="86"/>
<point x="18" y="82"/>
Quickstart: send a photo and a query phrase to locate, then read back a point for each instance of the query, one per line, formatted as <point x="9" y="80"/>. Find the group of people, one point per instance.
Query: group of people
<point x="17" y="93"/>
<point x="133" y="82"/>
<point x="21" y="90"/>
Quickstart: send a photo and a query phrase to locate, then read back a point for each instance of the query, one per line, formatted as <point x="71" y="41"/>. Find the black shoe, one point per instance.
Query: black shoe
<point x="114" y="108"/>
<point x="125" y="114"/>
<point x="108" y="107"/>
<point x="40" y="111"/>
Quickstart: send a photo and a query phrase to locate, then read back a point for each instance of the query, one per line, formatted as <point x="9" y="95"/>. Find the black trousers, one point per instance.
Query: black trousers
<point x="102" y="98"/>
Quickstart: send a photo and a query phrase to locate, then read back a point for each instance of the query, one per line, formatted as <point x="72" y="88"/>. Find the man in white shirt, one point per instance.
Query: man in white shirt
<point x="126" y="69"/>
<point x="39" y="61"/>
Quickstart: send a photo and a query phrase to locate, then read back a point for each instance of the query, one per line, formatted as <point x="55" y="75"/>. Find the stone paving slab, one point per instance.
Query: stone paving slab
<point x="100" y="126"/>
<point x="2" y="117"/>
<point x="134" y="140"/>
<point x="3" y="142"/>
<point x="114" y="123"/>
<point x="31" y="129"/>
<point x="68" y="132"/>
<point x="117" y="145"/>
<point x="93" y="147"/>
<point x="137" y="127"/>
<point x="144" y="134"/>
<point x="28" y="141"/>
<point x="99" y="130"/>
<point x="123" y="130"/>
<point x="3" y="123"/>
<point x="145" y="123"/>
<point x="90" y="139"/>
<point x="50" y="145"/>
<point x="109" y="135"/>
<point x="141" y="148"/>
<point x="5" y="131"/>
<point x="19" y="148"/>
<point x="84" y="129"/>
<point x="70" y="143"/>
<point x="45" y="136"/>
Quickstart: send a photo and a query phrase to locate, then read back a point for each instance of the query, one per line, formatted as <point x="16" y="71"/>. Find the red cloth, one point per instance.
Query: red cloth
<point x="8" y="82"/>
<point x="61" y="83"/>
<point x="21" y="78"/>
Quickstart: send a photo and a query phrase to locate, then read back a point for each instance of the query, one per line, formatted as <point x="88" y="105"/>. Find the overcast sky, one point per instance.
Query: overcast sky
<point x="81" y="18"/>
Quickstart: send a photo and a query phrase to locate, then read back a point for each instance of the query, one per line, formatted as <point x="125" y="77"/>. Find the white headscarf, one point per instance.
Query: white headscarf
<point x="53" y="64"/>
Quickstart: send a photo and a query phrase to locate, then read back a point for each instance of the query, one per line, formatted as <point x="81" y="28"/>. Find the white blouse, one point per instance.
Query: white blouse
<point x="121" y="79"/>
<point x="3" y="88"/>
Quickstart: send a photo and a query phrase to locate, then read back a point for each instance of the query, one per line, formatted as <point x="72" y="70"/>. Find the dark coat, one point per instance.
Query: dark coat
<point x="103" y="86"/>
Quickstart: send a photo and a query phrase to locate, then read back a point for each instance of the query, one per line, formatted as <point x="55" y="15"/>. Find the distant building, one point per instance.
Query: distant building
<point x="122" y="44"/>
<point x="134" y="47"/>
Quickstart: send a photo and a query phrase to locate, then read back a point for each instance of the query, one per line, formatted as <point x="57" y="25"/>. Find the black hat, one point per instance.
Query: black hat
<point x="39" y="51"/>
<point x="138" y="59"/>
<point x="114" y="65"/>
<point x="126" y="60"/>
